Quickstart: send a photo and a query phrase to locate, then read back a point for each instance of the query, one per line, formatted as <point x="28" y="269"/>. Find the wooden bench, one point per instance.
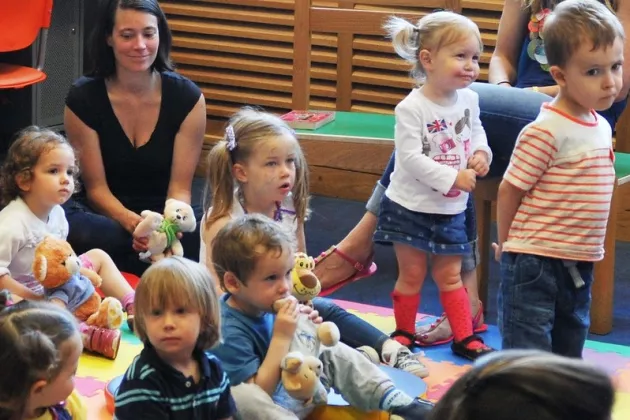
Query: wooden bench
<point x="372" y="136"/>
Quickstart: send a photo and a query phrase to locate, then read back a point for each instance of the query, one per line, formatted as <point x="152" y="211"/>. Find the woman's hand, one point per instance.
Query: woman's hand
<point x="129" y="222"/>
<point x="140" y="244"/>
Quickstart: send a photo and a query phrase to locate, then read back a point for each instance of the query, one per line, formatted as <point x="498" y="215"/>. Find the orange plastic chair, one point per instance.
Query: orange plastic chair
<point x="20" y="23"/>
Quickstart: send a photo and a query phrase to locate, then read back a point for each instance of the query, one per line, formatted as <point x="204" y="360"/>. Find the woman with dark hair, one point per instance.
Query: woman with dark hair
<point x="138" y="128"/>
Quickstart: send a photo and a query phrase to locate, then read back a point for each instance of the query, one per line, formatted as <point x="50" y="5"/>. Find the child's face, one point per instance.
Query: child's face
<point x="60" y="388"/>
<point x="173" y="331"/>
<point x="269" y="173"/>
<point x="591" y="78"/>
<point x="454" y="66"/>
<point x="269" y="281"/>
<point x="52" y="180"/>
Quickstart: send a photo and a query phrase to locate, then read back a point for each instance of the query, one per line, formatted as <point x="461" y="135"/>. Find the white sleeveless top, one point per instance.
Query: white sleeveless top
<point x="285" y="214"/>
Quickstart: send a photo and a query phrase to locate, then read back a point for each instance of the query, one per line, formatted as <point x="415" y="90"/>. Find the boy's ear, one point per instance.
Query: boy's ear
<point x="231" y="283"/>
<point x="425" y="59"/>
<point x="239" y="172"/>
<point x="558" y="75"/>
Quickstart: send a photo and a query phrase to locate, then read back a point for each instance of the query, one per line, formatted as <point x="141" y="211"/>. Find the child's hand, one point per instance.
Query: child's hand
<point x="466" y="180"/>
<point x="313" y="315"/>
<point x="498" y="250"/>
<point x="479" y="163"/>
<point x="286" y="320"/>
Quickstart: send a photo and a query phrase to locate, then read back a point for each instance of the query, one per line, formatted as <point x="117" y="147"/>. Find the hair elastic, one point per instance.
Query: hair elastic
<point x="231" y="138"/>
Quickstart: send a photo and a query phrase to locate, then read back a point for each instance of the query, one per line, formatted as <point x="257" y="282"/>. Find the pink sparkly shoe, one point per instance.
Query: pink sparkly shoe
<point x="99" y="340"/>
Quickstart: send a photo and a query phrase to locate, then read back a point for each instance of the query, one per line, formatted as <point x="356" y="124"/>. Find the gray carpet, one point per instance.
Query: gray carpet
<point x="332" y="219"/>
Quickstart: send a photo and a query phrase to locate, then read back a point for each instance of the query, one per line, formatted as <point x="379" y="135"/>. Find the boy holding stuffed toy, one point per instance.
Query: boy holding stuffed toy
<point x="253" y="258"/>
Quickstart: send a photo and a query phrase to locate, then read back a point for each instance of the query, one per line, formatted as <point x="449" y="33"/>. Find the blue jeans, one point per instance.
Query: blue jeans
<point x="355" y="332"/>
<point x="539" y="306"/>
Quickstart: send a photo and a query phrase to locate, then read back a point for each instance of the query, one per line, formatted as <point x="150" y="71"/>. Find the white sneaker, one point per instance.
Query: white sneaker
<point x="404" y="359"/>
<point x="370" y="354"/>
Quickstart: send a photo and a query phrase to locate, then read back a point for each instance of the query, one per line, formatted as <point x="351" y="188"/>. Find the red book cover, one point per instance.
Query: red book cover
<point x="308" y="120"/>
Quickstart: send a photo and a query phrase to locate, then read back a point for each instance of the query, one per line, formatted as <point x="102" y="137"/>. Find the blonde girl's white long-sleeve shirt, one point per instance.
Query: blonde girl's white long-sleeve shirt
<point x="433" y="143"/>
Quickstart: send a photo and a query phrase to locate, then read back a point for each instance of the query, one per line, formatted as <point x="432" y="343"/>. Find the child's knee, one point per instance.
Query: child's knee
<point x="98" y="258"/>
<point x="447" y="272"/>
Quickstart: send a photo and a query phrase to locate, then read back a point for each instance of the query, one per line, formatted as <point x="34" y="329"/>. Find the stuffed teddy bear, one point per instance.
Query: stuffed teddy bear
<point x="59" y="270"/>
<point x="304" y="284"/>
<point x="162" y="230"/>
<point x="301" y="367"/>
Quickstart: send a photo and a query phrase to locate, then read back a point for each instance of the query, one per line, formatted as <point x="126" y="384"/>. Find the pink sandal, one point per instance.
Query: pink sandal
<point x="478" y="327"/>
<point x="361" y="270"/>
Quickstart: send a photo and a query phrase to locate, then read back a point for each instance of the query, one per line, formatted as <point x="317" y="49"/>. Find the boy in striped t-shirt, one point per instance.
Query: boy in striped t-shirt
<point x="554" y="200"/>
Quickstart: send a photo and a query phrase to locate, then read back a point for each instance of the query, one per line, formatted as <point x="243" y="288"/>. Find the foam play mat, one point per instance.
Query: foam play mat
<point x="95" y="371"/>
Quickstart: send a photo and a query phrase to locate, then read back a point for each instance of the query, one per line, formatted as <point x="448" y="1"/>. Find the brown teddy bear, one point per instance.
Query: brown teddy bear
<point x="59" y="270"/>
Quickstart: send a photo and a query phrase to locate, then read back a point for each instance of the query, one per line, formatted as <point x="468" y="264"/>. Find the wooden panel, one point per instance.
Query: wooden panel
<point x="338" y="183"/>
<point x="242" y="52"/>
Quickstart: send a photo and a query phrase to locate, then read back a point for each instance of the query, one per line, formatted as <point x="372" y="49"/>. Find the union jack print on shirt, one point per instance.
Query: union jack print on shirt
<point x="436" y="126"/>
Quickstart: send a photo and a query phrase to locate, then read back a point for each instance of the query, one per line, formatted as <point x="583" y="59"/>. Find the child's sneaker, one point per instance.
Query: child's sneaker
<point x="417" y="410"/>
<point x="99" y="340"/>
<point x="404" y="359"/>
<point x="370" y="353"/>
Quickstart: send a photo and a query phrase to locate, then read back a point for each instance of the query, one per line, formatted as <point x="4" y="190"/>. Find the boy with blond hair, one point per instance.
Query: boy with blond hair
<point x="554" y="200"/>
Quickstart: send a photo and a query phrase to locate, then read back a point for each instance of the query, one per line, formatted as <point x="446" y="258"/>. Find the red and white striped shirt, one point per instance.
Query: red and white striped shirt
<point x="566" y="167"/>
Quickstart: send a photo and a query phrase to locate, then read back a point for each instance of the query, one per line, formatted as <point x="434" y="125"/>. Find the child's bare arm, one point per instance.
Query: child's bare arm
<point x="301" y="238"/>
<point x="208" y="235"/>
<point x="17" y="288"/>
<point x="508" y="200"/>
<point x="268" y="374"/>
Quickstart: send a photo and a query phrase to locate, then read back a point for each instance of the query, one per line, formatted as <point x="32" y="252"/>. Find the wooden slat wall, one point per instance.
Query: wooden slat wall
<point x="240" y="52"/>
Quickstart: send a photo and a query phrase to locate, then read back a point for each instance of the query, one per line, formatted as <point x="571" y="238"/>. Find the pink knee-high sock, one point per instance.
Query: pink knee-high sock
<point x="457" y="308"/>
<point x="405" y="310"/>
<point x="128" y="300"/>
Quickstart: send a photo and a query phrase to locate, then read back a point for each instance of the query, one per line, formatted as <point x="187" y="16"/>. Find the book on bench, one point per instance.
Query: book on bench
<point x="308" y="120"/>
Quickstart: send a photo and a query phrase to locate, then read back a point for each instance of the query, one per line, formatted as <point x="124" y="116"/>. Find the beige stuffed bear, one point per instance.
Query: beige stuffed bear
<point x="162" y="230"/>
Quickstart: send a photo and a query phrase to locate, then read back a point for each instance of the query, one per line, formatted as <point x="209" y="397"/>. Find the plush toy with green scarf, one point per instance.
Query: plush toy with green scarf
<point x="162" y="230"/>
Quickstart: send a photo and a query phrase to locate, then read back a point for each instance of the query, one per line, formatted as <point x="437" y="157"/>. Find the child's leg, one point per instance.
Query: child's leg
<point x="572" y="312"/>
<point x="114" y="284"/>
<point x="440" y="332"/>
<point x="365" y="386"/>
<point x="446" y="273"/>
<point x="252" y="402"/>
<point x="357" y="333"/>
<point x="412" y="268"/>
<point x="527" y="301"/>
